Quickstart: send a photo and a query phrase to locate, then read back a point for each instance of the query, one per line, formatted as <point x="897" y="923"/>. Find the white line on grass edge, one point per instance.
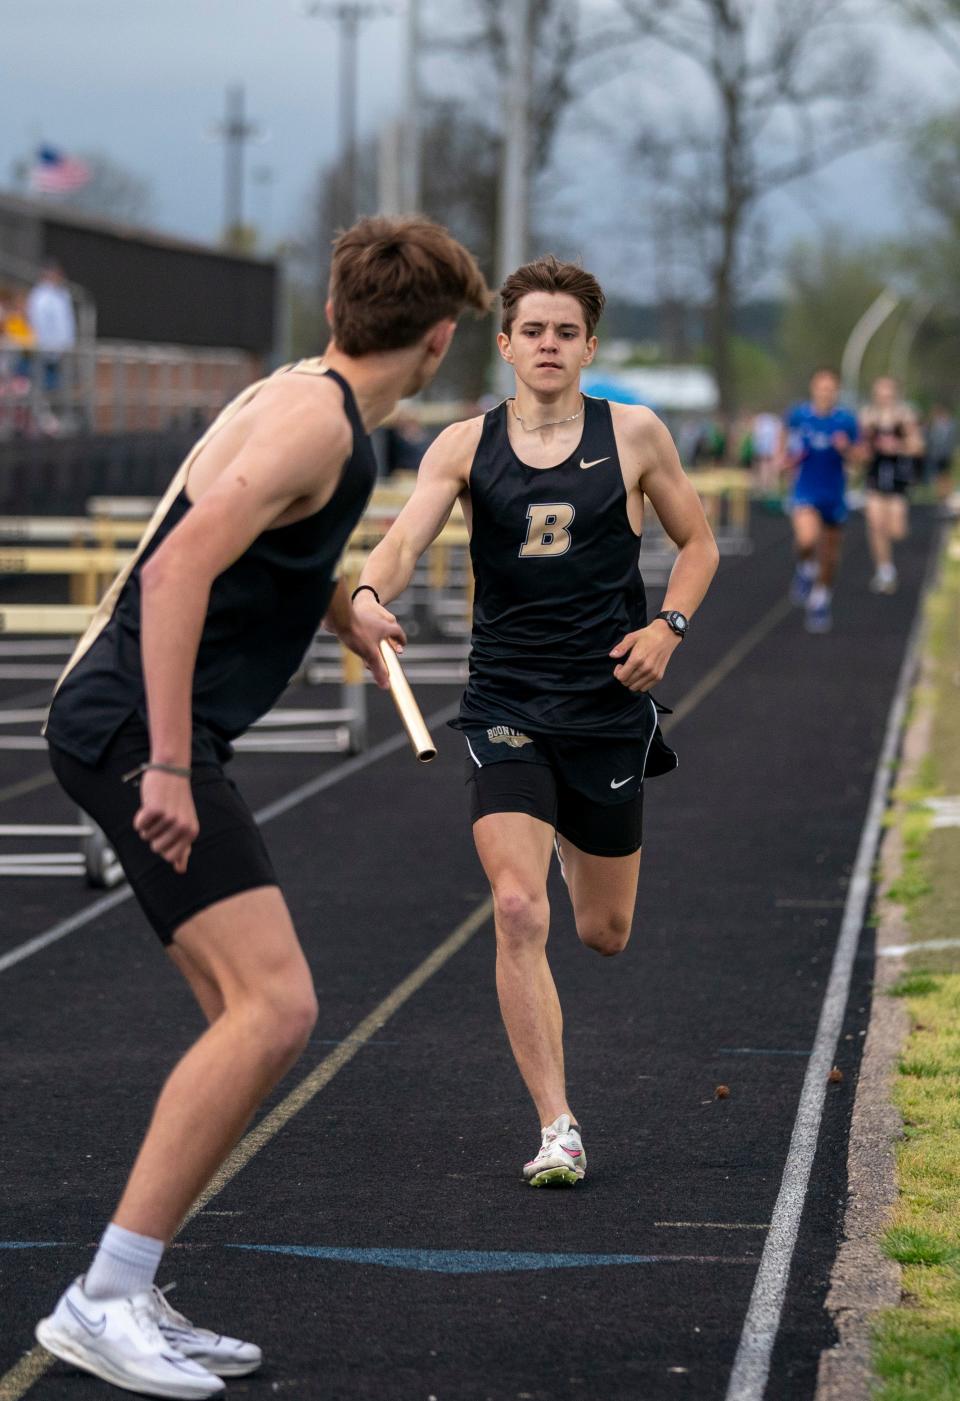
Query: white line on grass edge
<point x="751" y="1366"/>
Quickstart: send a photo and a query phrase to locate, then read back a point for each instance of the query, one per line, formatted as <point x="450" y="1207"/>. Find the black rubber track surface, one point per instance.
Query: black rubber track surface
<point x="417" y="1143"/>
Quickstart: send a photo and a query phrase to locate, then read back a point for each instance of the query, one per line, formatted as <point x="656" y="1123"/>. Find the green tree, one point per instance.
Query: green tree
<point x="788" y="84"/>
<point x="830" y="285"/>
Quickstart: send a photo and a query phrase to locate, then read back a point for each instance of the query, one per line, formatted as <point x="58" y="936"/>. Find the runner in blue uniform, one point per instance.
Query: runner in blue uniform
<point x="817" y="439"/>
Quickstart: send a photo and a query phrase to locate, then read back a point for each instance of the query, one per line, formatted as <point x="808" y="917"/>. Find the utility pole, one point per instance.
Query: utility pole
<point x="514" y="170"/>
<point x="235" y="131"/>
<point x="399" y="156"/>
<point x="348" y="15"/>
<point x="410" y="162"/>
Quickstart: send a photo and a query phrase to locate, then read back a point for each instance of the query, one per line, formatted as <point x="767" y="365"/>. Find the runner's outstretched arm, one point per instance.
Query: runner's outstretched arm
<point x="443" y="477"/>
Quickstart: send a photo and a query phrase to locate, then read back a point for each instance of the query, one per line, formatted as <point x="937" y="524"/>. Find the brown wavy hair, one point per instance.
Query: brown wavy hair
<point x="549" y="274"/>
<point x="392" y="279"/>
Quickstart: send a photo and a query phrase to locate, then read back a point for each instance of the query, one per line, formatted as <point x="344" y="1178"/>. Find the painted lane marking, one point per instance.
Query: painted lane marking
<point x="898" y="950"/>
<point x="473" y="1262"/>
<point x="719" y="1225"/>
<point x="788" y="904"/>
<point x="733" y="658"/>
<point x="32" y="1244"/>
<point x="28" y="1371"/>
<point x="24" y="1375"/>
<point x="26" y="785"/>
<point x="266" y="814"/>
<point x="321" y="1075"/>
<point x="751" y="1367"/>
<point x="685" y="706"/>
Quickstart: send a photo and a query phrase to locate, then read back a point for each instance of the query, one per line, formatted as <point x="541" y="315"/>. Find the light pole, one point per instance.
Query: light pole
<point x="349" y="15"/>
<point x="882" y="306"/>
<point x="236" y="131"/>
<point x="515" y="169"/>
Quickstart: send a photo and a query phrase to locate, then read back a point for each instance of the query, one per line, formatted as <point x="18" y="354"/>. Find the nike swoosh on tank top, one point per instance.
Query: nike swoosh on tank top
<point x="558" y="584"/>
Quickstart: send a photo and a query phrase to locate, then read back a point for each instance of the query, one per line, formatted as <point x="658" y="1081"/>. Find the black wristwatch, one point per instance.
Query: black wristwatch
<point x="675" y="621"/>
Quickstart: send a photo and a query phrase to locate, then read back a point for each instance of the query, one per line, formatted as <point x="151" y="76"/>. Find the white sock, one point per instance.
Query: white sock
<point x="819" y="595"/>
<point x="809" y="568"/>
<point x="124" y="1265"/>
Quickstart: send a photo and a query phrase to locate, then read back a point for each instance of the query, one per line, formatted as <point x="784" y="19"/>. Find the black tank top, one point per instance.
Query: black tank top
<point x="263" y="613"/>
<point x="558" y="584"/>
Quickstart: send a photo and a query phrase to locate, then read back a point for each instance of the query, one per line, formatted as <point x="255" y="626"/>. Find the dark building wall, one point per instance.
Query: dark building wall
<point x="147" y="287"/>
<point x="147" y="292"/>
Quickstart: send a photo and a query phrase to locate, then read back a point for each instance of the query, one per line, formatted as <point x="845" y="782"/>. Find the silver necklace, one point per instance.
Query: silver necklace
<point x="551" y="423"/>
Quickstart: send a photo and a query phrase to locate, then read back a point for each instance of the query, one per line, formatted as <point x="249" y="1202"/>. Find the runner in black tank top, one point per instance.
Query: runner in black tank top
<point x="558" y="719"/>
<point x="195" y="640"/>
<point x="893" y="444"/>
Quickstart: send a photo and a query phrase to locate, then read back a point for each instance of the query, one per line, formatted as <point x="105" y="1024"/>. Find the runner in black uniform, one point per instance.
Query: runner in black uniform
<point x="196" y="639"/>
<point x="893" y="442"/>
<point x="559" y="724"/>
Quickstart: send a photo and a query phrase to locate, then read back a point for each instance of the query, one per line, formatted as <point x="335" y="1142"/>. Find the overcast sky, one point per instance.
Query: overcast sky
<point x="144" y="83"/>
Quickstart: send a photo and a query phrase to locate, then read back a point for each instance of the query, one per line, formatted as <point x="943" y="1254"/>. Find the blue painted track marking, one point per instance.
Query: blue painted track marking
<point x="473" y="1262"/>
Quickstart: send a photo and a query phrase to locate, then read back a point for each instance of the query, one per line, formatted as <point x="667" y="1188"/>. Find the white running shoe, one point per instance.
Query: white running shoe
<point x="227" y="1357"/>
<point x="120" y="1341"/>
<point x="561" y="1161"/>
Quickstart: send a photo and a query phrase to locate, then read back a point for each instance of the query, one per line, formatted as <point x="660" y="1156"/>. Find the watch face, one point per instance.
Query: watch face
<point x="678" y="621"/>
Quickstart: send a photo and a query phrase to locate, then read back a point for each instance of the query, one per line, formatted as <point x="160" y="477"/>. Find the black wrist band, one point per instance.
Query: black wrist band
<point x="360" y="588"/>
<point x="177" y="770"/>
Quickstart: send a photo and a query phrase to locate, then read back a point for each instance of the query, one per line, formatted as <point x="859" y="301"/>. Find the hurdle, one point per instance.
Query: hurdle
<point x="88" y="570"/>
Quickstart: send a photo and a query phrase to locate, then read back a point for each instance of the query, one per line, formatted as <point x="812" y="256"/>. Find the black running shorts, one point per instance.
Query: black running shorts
<point x="890" y="476"/>
<point x="589" y="790"/>
<point x="228" y="856"/>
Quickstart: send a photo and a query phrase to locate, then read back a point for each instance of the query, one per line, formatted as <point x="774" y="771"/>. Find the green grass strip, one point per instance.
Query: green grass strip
<point x="917" y="1346"/>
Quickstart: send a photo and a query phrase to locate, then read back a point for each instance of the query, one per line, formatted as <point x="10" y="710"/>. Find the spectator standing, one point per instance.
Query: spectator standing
<point x="50" y="311"/>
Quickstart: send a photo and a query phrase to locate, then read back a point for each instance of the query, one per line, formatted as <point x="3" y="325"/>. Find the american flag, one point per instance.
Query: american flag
<point x="53" y="173"/>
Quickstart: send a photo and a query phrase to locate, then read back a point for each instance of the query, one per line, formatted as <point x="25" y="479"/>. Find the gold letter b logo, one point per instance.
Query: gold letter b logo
<point x="547" y="530"/>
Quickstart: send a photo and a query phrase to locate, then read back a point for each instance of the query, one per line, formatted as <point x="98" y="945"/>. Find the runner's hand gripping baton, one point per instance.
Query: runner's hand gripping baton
<point x="409" y="711"/>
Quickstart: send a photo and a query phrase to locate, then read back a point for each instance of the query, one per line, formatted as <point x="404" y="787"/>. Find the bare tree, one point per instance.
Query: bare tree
<point x="779" y="92"/>
<point x="113" y="192"/>
<point x="938" y="18"/>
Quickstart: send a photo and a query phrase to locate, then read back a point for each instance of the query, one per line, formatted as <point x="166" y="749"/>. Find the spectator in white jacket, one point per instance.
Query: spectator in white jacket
<point x="50" y="312"/>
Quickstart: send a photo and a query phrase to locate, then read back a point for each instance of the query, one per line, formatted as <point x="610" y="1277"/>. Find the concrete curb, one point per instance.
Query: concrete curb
<point x="863" y="1281"/>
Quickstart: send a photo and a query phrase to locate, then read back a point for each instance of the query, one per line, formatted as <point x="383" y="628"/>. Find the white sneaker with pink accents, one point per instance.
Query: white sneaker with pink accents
<point x="561" y="1161"/>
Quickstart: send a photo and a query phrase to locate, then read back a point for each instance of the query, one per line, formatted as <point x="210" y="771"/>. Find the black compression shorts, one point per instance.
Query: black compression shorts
<point x="589" y="790"/>
<point x="227" y="858"/>
<point x="890" y="476"/>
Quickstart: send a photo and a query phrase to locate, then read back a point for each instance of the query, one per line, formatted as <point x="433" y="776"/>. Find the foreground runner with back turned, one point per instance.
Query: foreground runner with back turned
<point x="196" y="640"/>
<point x="559" y="725"/>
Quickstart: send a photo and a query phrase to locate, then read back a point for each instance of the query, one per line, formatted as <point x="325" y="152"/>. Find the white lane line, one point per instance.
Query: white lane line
<point x="751" y="1367"/>
<point x="266" y="814"/>
<point x="899" y="950"/>
<point x="731" y="659"/>
<point x="719" y="1225"/>
<point x="25" y="1373"/>
<point x="688" y="703"/>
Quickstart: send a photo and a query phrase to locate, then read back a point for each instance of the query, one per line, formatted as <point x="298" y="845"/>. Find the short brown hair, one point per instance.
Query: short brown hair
<point x="392" y="279"/>
<point x="548" y="274"/>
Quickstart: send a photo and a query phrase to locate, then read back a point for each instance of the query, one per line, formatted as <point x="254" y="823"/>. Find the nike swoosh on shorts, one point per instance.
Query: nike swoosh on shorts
<point x="615" y="784"/>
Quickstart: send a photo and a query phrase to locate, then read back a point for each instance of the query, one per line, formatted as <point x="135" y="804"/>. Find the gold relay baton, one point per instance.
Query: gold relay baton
<point x="406" y="703"/>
